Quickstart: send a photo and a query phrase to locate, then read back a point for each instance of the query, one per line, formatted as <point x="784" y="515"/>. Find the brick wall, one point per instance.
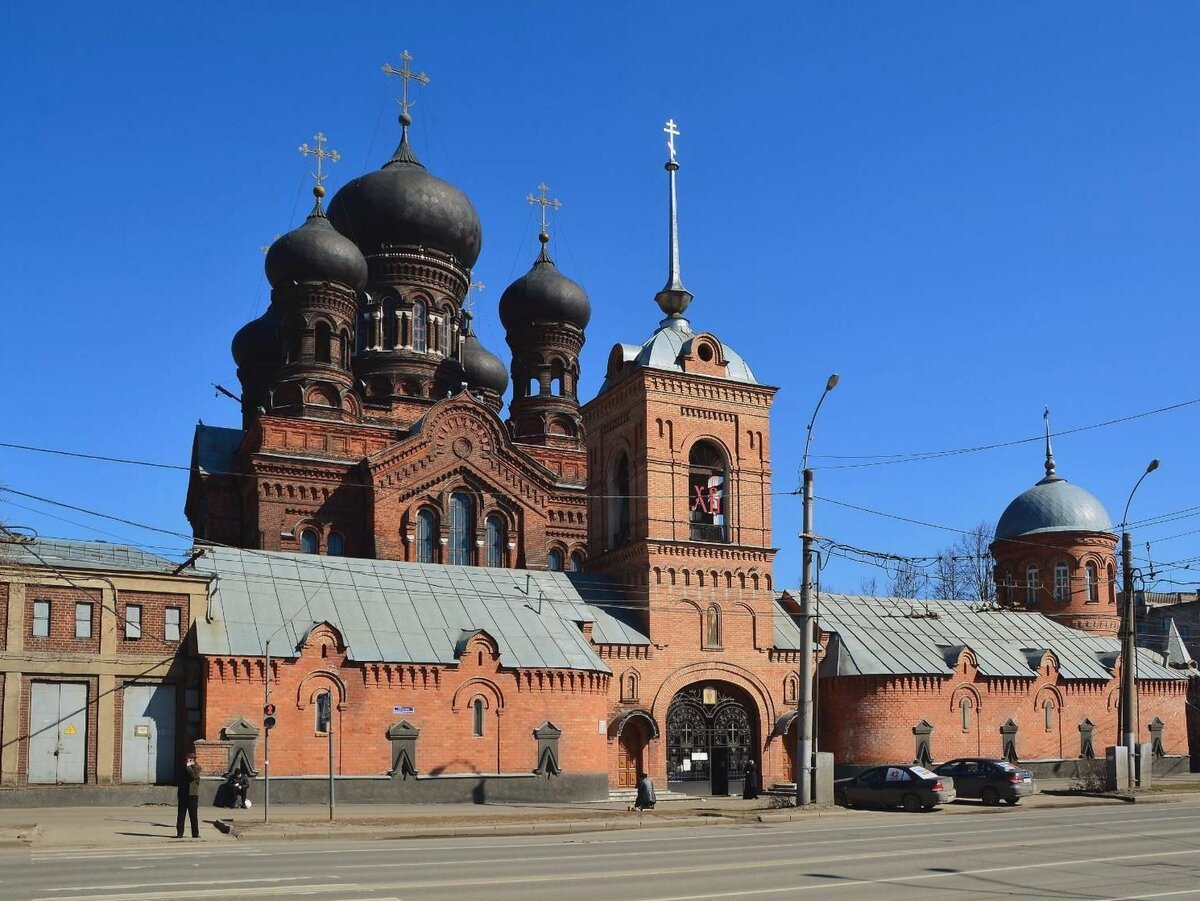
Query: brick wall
<point x="153" y="641"/>
<point x="3" y="615"/>
<point x="62" y="618"/>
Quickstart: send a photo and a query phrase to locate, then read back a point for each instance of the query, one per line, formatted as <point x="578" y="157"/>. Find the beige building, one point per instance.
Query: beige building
<point x="98" y="680"/>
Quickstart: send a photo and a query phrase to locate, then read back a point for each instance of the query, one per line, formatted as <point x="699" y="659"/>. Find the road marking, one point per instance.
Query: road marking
<point x="924" y="877"/>
<point x="85" y="888"/>
<point x="289" y="891"/>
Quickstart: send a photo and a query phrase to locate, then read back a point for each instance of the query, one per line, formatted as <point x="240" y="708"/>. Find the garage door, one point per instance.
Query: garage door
<point x="148" y="734"/>
<point x="57" y="732"/>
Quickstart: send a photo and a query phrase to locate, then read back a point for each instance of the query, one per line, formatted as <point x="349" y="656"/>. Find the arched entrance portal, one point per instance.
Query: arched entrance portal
<point x="712" y="731"/>
<point x="631" y="749"/>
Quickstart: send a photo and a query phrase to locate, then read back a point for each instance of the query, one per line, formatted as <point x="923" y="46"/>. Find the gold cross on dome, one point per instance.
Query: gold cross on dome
<point x="321" y="154"/>
<point x="473" y="289"/>
<point x="543" y="201"/>
<point x="672" y="132"/>
<point x="406" y="75"/>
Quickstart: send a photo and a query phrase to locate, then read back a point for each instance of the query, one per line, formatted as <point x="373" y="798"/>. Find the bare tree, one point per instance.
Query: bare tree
<point x="869" y="586"/>
<point x="975" y="558"/>
<point x="949" y="574"/>
<point x="907" y="580"/>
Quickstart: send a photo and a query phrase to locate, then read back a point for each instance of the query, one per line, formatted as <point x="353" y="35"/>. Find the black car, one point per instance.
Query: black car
<point x="912" y="787"/>
<point x="992" y="781"/>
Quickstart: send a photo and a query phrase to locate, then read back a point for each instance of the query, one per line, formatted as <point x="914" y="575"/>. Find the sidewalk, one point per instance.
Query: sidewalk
<point x="118" y="827"/>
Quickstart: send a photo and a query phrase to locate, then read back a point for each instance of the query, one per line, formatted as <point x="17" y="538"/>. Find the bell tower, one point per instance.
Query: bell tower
<point x="679" y="477"/>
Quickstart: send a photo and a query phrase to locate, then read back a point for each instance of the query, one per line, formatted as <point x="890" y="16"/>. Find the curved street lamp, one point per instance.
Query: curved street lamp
<point x="804" y="735"/>
<point x="1128" y="712"/>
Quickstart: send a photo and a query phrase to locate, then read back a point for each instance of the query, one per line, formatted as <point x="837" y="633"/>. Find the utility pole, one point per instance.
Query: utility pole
<point x="266" y="732"/>
<point x="1127" y="734"/>
<point x="805" y="746"/>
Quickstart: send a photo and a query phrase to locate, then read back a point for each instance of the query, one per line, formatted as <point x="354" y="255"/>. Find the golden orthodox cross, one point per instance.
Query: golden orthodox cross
<point x="543" y="201"/>
<point x="406" y="75"/>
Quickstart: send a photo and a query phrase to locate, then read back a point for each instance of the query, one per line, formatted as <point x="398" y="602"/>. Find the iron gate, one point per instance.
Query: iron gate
<point x="709" y="740"/>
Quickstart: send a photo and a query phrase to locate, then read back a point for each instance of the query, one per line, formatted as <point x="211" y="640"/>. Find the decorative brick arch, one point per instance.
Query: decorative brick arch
<point x="324" y="680"/>
<point x="488" y="689"/>
<point x="721" y="671"/>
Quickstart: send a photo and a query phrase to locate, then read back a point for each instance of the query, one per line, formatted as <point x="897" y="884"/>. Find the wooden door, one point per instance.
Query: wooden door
<point x="631" y="748"/>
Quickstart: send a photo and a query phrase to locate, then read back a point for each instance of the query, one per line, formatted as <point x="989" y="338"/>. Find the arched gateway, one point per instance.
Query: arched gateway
<point x="712" y="732"/>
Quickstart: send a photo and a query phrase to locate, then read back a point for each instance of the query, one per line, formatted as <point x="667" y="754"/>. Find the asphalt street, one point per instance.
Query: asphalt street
<point x="1136" y="851"/>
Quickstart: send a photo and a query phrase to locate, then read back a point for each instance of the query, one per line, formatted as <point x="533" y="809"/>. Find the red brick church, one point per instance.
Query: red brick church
<point x="544" y="600"/>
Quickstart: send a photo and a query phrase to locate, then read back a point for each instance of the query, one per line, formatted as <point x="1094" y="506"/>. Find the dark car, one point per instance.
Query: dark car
<point x="992" y="781"/>
<point x="908" y="785"/>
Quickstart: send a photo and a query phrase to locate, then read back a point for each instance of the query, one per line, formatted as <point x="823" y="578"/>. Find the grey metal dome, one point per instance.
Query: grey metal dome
<point x="544" y="294"/>
<point x="666" y="346"/>
<point x="1053" y="505"/>
<point x="316" y="251"/>
<point x="403" y="205"/>
<point x="482" y="368"/>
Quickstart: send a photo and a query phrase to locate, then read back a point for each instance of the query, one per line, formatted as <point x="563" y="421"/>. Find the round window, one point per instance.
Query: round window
<point x="705" y="353"/>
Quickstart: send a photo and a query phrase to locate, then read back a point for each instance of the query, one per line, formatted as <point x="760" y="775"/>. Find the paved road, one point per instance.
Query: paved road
<point x="1140" y="851"/>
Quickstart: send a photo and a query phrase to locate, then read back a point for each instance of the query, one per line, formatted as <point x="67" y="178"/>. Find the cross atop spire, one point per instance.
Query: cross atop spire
<point x="472" y="289"/>
<point x="543" y="201"/>
<point x="405" y="74"/>
<point x="321" y="154"/>
<point x="674" y="298"/>
<point x="1050" y="474"/>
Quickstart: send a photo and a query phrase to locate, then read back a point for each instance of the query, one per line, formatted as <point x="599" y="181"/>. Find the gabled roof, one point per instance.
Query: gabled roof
<point x="894" y="636"/>
<point x="66" y="553"/>
<point x="388" y="611"/>
<point x="1177" y="653"/>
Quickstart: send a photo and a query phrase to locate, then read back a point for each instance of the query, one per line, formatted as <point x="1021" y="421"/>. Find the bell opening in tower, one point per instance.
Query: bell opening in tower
<point x="707" y="493"/>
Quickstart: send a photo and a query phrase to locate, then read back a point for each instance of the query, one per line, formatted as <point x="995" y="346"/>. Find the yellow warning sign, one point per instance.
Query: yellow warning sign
<point x="70" y="730"/>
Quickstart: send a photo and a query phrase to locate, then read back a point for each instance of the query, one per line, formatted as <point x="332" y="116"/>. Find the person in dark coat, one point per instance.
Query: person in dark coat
<point x="189" y="797"/>
<point x="645" y="794"/>
<point x="240" y="782"/>
<point x="750" y="786"/>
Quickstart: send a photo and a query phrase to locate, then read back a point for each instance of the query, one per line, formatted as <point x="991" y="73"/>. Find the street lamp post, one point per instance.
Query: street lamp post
<point x="805" y="748"/>
<point x="1128" y="712"/>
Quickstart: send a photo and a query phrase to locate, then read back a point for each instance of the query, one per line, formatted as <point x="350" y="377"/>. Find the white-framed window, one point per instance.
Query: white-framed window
<point x="1031" y="586"/>
<point x="420" y="326"/>
<point x="133" y="621"/>
<point x="41" y="619"/>
<point x="1062" y="583"/>
<point x="171" y="624"/>
<point x="1093" y="583"/>
<point x="83" y="620"/>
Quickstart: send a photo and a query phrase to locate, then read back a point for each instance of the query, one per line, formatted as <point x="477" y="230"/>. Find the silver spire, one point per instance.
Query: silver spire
<point x="1050" y="474"/>
<point x="674" y="298"/>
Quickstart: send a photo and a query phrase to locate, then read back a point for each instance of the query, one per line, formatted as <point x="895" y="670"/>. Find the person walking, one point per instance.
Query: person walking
<point x="750" y="786"/>
<point x="645" y="794"/>
<point x="189" y="796"/>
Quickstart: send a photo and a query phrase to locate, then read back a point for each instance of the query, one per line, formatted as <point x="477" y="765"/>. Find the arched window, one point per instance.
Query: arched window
<point x="618" y="503"/>
<point x="1006" y="581"/>
<point x="1031" y="586"/>
<point x="964" y="707"/>
<point x="1048" y="713"/>
<point x="495" y="541"/>
<point x="323" y="708"/>
<point x="629" y="687"/>
<point x="577" y="562"/>
<point x="1112" y="586"/>
<point x="444" y="335"/>
<point x="344" y="348"/>
<point x="336" y="546"/>
<point x="477" y="708"/>
<point x="460" y="529"/>
<point x="1093" y="582"/>
<point x="712" y="628"/>
<point x="308" y="542"/>
<point x="420" y="326"/>
<point x="323" y="352"/>
<point x="707" y="492"/>
<point x="426" y="535"/>
<point x="554" y="560"/>
<point x="790" y="690"/>
<point x="1062" y="583"/>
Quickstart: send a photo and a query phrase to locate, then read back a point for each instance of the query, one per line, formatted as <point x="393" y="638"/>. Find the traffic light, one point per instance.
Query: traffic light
<point x="268" y="716"/>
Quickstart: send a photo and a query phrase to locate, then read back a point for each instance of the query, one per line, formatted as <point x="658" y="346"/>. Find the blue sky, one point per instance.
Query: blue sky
<point x="969" y="211"/>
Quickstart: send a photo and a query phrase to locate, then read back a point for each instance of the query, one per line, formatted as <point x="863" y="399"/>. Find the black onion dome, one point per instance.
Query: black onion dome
<point x="482" y="368"/>
<point x="316" y="251"/>
<point x="403" y="205"/>
<point x="257" y="341"/>
<point x="544" y="294"/>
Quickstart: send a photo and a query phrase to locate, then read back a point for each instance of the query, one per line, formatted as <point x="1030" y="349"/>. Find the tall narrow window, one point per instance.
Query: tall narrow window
<point x="41" y="619"/>
<point x="308" y="542"/>
<point x="1062" y="583"/>
<point x="1111" y="585"/>
<point x="1031" y="586"/>
<point x="576" y="562"/>
<point x="964" y="707"/>
<point x="336" y="546"/>
<point x="1093" y="583"/>
<point x="712" y="628"/>
<point x="171" y="624"/>
<point x="460" y="529"/>
<point x="1048" y="714"/>
<point x="554" y="560"/>
<point x="324" y="341"/>
<point x="133" y="621"/>
<point x="706" y="498"/>
<point x="444" y="335"/>
<point x="618" y="503"/>
<point x="495" y="541"/>
<point x="83" y="620"/>
<point x="477" y="708"/>
<point x="426" y="531"/>
<point x="420" y="326"/>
